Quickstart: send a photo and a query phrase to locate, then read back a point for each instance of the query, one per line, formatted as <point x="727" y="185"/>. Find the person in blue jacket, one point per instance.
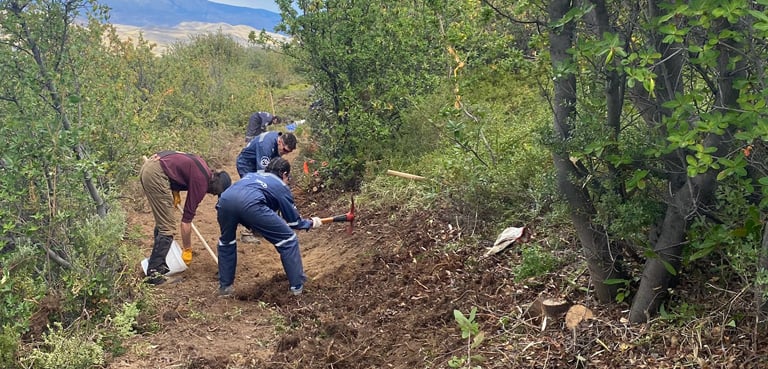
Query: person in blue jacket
<point x="258" y="123"/>
<point x="263" y="203"/>
<point x="269" y="145"/>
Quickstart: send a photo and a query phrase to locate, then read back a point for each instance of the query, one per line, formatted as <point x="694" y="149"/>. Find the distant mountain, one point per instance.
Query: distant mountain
<point x="170" y="13"/>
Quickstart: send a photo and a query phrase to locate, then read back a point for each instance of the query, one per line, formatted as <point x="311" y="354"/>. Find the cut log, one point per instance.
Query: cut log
<point x="577" y="314"/>
<point x="555" y="307"/>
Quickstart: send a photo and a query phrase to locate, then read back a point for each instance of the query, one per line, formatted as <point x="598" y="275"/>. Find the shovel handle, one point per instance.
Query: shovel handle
<point x="202" y="239"/>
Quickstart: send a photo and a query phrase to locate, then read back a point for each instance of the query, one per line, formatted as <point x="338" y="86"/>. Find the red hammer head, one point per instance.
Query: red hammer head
<point x="348" y="217"/>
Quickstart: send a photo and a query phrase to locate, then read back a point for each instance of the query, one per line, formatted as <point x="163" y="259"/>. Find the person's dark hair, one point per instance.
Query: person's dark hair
<point x="289" y="140"/>
<point x="279" y="167"/>
<point x="219" y="182"/>
<point x="277" y="120"/>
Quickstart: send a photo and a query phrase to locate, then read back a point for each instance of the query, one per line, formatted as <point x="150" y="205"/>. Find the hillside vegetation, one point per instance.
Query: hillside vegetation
<point x="628" y="140"/>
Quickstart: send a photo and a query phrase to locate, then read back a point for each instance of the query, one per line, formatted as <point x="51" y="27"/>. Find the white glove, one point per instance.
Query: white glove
<point x="316" y="222"/>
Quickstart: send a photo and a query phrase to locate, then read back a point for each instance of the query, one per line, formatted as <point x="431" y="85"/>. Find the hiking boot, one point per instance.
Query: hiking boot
<point x="228" y="291"/>
<point x="249" y="238"/>
<point x="297" y="290"/>
<point x="155" y="279"/>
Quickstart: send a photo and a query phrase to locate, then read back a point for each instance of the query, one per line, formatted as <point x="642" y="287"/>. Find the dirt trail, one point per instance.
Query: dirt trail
<point x="384" y="297"/>
<point x="200" y="329"/>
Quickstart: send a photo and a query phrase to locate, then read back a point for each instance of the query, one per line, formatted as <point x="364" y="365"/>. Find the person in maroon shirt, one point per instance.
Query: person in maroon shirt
<point x="163" y="175"/>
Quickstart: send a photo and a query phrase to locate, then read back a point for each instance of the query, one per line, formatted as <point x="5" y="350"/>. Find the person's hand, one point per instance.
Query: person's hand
<point x="304" y="223"/>
<point x="316" y="222"/>
<point x="186" y="255"/>
<point x="176" y="199"/>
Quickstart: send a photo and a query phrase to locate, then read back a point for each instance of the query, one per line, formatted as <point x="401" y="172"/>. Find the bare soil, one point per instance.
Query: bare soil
<point x="384" y="297"/>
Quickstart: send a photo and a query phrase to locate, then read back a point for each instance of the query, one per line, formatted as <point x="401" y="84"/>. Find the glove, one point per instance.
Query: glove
<point x="176" y="199"/>
<point x="186" y="255"/>
<point x="316" y="222"/>
<point x="305" y="224"/>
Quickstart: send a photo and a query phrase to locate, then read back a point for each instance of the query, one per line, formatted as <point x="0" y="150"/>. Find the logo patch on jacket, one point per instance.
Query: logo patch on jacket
<point x="264" y="161"/>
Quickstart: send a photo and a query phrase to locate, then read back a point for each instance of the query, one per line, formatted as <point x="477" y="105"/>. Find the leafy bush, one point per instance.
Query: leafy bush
<point x="21" y="288"/>
<point x="10" y="338"/>
<point x="59" y="350"/>
<point x="98" y="272"/>
<point x="485" y="155"/>
<point x="120" y="326"/>
<point x="535" y="261"/>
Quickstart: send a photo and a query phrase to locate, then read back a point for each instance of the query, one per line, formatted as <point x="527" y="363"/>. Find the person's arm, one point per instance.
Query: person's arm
<point x="186" y="235"/>
<point x="290" y="214"/>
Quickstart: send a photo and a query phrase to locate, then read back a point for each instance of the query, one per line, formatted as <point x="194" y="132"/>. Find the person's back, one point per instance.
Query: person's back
<point x="263" y="203"/>
<point x="262" y="149"/>
<point x="265" y="188"/>
<point x="256" y="155"/>
<point x="258" y="123"/>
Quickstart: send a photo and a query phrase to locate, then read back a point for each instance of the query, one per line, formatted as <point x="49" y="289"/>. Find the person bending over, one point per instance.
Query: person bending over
<point x="162" y="176"/>
<point x="258" y="123"/>
<point x="263" y="148"/>
<point x="263" y="203"/>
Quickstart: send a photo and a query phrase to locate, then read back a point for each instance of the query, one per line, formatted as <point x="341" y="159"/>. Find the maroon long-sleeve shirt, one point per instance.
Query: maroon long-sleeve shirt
<point x="187" y="175"/>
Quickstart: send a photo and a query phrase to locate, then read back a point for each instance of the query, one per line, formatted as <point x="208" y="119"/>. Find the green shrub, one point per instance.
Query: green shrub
<point x="21" y="289"/>
<point x="535" y="262"/>
<point x="119" y="327"/>
<point x="98" y="274"/>
<point x="10" y="338"/>
<point x="62" y="351"/>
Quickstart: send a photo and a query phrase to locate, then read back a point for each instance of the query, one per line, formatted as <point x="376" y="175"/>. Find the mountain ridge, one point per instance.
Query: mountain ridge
<point x="170" y="13"/>
<point x="165" y="22"/>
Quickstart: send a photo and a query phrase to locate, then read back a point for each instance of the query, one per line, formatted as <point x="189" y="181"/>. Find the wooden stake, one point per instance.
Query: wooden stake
<point x="405" y="175"/>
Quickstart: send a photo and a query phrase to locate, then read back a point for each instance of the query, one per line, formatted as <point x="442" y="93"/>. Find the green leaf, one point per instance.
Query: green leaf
<point x="699" y="254"/>
<point x="615" y="281"/>
<point x="668" y="266"/>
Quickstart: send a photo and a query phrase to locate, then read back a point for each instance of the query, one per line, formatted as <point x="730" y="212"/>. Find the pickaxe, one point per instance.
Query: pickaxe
<point x="348" y="217"/>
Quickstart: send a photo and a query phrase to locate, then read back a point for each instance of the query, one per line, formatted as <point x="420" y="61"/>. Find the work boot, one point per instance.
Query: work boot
<point x="247" y="236"/>
<point x="226" y="292"/>
<point x="156" y="266"/>
<point x="155" y="277"/>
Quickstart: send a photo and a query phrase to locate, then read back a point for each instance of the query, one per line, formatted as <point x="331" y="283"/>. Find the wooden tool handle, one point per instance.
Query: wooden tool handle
<point x="405" y="175"/>
<point x="339" y="218"/>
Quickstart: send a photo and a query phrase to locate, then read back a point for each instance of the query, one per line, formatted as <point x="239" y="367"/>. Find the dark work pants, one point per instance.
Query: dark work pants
<point x="234" y="209"/>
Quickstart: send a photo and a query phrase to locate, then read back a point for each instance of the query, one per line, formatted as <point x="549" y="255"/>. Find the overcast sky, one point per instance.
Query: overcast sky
<point x="257" y="4"/>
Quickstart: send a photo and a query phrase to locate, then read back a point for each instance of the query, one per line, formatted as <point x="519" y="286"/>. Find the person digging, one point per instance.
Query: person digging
<point x="162" y="176"/>
<point x="263" y="203"/>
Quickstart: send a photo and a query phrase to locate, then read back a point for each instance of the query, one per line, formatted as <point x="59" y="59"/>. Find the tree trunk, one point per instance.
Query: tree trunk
<point x="692" y="198"/>
<point x="600" y="255"/>
<point x="762" y="289"/>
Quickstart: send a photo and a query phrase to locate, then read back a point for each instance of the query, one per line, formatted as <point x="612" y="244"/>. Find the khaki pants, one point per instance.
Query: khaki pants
<point x="157" y="188"/>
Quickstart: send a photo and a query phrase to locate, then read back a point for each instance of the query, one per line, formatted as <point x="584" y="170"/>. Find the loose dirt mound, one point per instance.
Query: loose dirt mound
<point x="384" y="297"/>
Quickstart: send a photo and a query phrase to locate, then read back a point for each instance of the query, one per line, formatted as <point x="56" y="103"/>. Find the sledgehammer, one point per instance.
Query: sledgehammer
<point x="348" y="217"/>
